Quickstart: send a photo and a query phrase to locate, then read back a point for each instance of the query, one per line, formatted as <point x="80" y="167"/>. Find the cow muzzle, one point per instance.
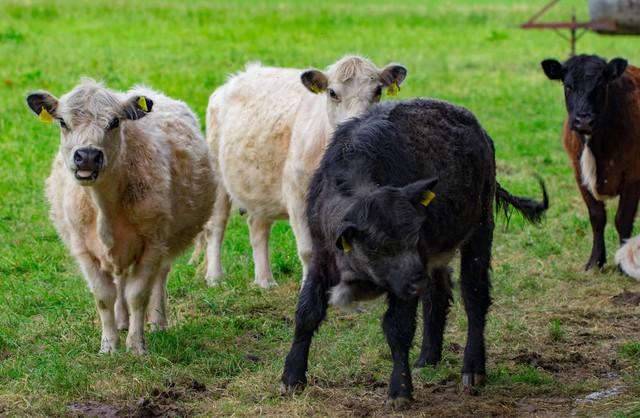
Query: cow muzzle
<point x="583" y="124"/>
<point x="88" y="162"/>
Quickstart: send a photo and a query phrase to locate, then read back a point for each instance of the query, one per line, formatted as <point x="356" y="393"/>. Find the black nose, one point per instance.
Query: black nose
<point x="88" y="159"/>
<point x="583" y="122"/>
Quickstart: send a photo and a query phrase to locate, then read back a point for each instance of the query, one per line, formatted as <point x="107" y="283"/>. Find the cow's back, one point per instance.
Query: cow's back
<point x="249" y="127"/>
<point x="398" y="143"/>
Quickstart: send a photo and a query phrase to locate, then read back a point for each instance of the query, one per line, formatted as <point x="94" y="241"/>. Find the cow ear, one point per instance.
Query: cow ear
<point x="345" y="235"/>
<point x="43" y="104"/>
<point x="421" y="192"/>
<point x="553" y="69"/>
<point x="315" y="81"/>
<point x="615" y="68"/>
<point x="392" y="76"/>
<point x="137" y="107"/>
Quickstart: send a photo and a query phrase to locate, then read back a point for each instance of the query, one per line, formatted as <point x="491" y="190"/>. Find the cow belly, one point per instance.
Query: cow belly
<point x="252" y="175"/>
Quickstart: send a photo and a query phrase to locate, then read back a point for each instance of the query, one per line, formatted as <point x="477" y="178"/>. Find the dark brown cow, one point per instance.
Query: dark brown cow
<point x="602" y="138"/>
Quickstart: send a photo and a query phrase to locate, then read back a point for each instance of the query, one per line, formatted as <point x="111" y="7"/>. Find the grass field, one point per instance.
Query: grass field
<point x="554" y="333"/>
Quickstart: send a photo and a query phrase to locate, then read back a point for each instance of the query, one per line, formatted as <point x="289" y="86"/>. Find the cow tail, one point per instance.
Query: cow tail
<point x="531" y="209"/>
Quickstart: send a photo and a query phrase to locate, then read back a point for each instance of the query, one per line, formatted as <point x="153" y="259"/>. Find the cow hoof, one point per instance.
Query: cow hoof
<point x="265" y="284"/>
<point x="107" y="347"/>
<point x="424" y="362"/>
<point x="398" y="404"/>
<point x="593" y="263"/>
<point x="158" y="326"/>
<point x="137" y="349"/>
<point x="471" y="382"/>
<point x="290" y="390"/>
<point x="213" y="281"/>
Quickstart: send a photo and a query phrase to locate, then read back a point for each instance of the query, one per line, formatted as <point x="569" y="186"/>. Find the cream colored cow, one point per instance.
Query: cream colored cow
<point x="267" y="133"/>
<point x="130" y="188"/>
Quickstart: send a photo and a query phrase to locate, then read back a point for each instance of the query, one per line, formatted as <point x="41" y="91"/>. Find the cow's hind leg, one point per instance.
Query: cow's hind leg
<point x="311" y="311"/>
<point x="475" y="284"/>
<point x="260" y="230"/>
<point x="215" y="230"/>
<point x="435" y="306"/>
<point x="157" y="309"/>
<point x="627" y="208"/>
<point x="122" y="314"/>
<point x="399" y="325"/>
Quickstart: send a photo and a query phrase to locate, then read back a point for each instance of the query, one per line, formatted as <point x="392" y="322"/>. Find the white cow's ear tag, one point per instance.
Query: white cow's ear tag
<point x="427" y="198"/>
<point x="393" y="89"/>
<point x="44" y="116"/>
<point x="142" y="102"/>
<point x="346" y="247"/>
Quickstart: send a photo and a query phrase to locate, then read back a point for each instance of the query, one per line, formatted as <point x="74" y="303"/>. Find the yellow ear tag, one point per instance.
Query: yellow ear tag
<point x="428" y="197"/>
<point x="315" y="89"/>
<point x="142" y="102"/>
<point x="393" y="89"/>
<point x="44" y="116"/>
<point x="346" y="247"/>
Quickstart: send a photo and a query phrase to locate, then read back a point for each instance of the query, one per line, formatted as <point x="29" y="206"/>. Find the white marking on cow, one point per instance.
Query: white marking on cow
<point x="588" y="171"/>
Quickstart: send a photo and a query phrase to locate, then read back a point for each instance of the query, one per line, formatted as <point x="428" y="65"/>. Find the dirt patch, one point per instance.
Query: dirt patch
<point x="626" y="298"/>
<point x="551" y="363"/>
<point x="161" y="403"/>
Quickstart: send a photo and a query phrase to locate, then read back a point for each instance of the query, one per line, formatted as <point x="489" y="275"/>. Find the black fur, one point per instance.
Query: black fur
<point x="371" y="233"/>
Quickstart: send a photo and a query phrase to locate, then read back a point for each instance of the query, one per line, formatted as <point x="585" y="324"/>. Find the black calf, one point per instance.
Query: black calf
<point x="381" y="222"/>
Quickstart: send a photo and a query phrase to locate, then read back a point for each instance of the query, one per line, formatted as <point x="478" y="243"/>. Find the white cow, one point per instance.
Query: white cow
<point x="130" y="188"/>
<point x="267" y="134"/>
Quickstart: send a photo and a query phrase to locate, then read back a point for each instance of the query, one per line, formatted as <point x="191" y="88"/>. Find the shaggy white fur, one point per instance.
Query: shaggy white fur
<point x="628" y="257"/>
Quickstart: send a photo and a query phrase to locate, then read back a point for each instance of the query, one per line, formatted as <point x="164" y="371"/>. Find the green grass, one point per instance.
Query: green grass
<point x="233" y="338"/>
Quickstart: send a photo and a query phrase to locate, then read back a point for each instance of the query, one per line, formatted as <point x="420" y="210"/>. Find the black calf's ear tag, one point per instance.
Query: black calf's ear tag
<point x="427" y="198"/>
<point x="346" y="247"/>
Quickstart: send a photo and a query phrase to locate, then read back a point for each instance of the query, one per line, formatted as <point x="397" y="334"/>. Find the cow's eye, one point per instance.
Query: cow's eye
<point x="567" y="88"/>
<point x="115" y="122"/>
<point x="333" y="95"/>
<point x="63" y="125"/>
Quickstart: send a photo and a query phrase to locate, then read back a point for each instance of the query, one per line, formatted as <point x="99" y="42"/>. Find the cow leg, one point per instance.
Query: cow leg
<point x="137" y="291"/>
<point x="105" y="293"/>
<point x="399" y="325"/>
<point x="598" y="219"/>
<point x="435" y="306"/>
<point x="300" y="227"/>
<point x="311" y="311"/>
<point x="122" y="314"/>
<point x="475" y="283"/>
<point x="259" y="230"/>
<point x="217" y="225"/>
<point x="157" y="309"/>
<point x="627" y="208"/>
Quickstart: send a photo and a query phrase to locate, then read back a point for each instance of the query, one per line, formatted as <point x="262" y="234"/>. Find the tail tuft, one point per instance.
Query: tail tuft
<point x="531" y="209"/>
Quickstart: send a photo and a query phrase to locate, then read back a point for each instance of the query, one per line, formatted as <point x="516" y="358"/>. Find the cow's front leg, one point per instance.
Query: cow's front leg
<point x="137" y="290"/>
<point x="399" y="325"/>
<point x="312" y="309"/>
<point x="598" y="219"/>
<point x="627" y="208"/>
<point x="104" y="291"/>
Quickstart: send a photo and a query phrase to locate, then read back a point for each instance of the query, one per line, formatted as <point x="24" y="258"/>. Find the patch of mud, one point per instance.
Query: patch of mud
<point x="626" y="298"/>
<point x="161" y="403"/>
<point x="553" y="364"/>
<point x="597" y="396"/>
